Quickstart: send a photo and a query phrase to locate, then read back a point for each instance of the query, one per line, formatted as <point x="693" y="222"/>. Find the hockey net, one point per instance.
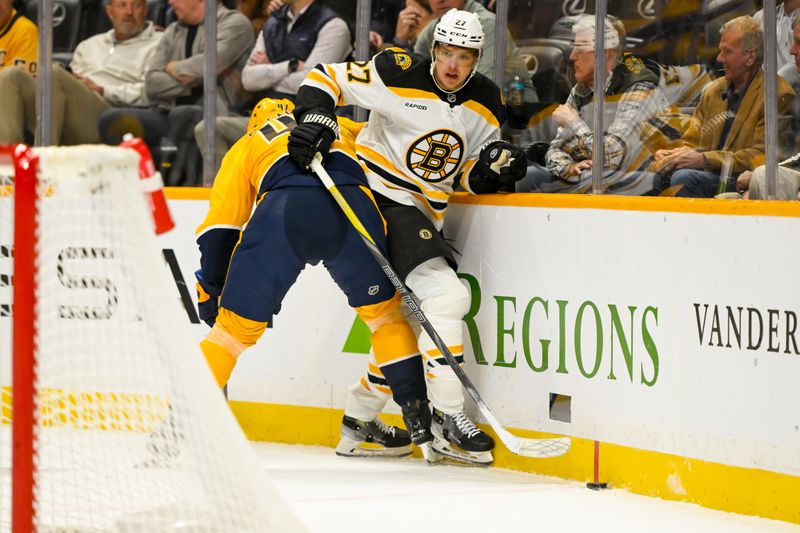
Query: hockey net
<point x="130" y="431"/>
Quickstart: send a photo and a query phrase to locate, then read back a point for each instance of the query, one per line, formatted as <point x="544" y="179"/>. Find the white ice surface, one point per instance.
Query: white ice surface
<point x="332" y="494"/>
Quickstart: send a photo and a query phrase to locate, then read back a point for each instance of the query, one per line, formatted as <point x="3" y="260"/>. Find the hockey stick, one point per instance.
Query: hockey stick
<point x="521" y="446"/>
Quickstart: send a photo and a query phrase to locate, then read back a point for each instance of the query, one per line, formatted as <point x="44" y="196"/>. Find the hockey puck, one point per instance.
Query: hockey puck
<point x="597" y="486"/>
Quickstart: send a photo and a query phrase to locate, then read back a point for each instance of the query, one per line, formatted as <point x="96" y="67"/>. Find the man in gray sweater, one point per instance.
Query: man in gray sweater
<point x="174" y="86"/>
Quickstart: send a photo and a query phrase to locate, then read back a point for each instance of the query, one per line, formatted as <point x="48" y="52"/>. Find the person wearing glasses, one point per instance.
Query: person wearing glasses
<point x="632" y="98"/>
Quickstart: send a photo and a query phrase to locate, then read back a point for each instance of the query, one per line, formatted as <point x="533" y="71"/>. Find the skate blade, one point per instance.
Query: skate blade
<point x="450" y="451"/>
<point x="430" y="455"/>
<point x="352" y="448"/>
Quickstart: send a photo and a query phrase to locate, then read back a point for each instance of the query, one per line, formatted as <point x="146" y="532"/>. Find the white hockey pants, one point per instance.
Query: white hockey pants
<point x="445" y="301"/>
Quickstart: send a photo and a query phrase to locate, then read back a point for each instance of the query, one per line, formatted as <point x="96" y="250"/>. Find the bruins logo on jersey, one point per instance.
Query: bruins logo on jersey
<point x="435" y="156"/>
<point x="403" y="61"/>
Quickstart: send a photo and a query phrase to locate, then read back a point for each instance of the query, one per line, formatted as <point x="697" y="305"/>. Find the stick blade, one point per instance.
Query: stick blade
<point x="540" y="448"/>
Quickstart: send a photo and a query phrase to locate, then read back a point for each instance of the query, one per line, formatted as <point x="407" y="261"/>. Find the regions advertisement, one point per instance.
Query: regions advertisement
<point x="669" y="332"/>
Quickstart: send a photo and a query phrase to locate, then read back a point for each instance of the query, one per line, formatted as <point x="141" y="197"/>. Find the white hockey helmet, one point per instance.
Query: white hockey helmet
<point x="458" y="28"/>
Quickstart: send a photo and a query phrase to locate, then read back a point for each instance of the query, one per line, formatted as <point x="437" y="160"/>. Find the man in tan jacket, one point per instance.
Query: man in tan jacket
<point x="725" y="136"/>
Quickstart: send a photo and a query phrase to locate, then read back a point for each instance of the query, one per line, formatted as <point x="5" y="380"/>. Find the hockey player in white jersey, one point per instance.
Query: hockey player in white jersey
<point x="433" y="123"/>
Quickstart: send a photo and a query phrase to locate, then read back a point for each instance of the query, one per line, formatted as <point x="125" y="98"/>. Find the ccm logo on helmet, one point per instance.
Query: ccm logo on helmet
<point x="435" y="156"/>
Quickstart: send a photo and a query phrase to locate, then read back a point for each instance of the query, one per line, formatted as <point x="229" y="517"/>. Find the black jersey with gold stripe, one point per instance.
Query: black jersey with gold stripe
<point x="419" y="141"/>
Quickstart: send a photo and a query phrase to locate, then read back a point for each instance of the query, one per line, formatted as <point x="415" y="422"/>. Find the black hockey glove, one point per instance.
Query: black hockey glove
<point x="537" y="152"/>
<point x="207" y="301"/>
<point x="502" y="162"/>
<point x="315" y="134"/>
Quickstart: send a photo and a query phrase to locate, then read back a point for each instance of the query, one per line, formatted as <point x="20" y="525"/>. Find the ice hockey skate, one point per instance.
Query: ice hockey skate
<point x="456" y="437"/>
<point x="417" y="417"/>
<point x="372" y="439"/>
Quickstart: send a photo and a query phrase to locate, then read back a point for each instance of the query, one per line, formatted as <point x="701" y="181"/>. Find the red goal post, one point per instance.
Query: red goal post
<point x="23" y="335"/>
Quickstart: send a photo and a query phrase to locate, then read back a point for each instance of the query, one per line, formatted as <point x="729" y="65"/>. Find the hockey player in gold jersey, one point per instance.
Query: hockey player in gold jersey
<point x="434" y="123"/>
<point x="247" y="270"/>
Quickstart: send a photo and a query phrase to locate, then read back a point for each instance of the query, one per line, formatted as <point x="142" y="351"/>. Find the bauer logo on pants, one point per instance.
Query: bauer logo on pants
<point x="435" y="156"/>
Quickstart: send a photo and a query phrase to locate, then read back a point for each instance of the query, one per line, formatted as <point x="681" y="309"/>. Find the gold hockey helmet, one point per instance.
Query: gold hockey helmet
<point x="266" y="109"/>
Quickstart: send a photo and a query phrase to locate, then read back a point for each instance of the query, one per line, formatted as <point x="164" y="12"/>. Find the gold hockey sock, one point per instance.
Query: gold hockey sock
<point x="219" y="360"/>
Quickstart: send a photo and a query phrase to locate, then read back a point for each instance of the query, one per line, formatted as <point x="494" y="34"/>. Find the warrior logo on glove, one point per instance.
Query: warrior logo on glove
<point x="435" y="156"/>
<point x="315" y="134"/>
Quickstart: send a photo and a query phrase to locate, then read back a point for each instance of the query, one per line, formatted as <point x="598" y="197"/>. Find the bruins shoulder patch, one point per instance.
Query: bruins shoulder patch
<point x="401" y="58"/>
<point x="403" y="61"/>
<point x="633" y="63"/>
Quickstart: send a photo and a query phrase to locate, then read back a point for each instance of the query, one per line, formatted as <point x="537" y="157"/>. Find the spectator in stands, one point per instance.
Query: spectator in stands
<point x="515" y="65"/>
<point x="753" y="185"/>
<point x="256" y="11"/>
<point x="410" y="22"/>
<point x="791" y="71"/>
<point x="297" y="37"/>
<point x="725" y="136"/>
<point x="632" y="97"/>
<point x="344" y="8"/>
<point x="785" y="12"/>
<point x="174" y="84"/>
<point x="18" y="39"/>
<point x="107" y="70"/>
<point x="300" y="35"/>
<point x="383" y="19"/>
<point x="790" y="140"/>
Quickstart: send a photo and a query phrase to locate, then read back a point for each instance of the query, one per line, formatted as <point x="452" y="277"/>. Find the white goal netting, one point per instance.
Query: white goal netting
<point x="132" y="432"/>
